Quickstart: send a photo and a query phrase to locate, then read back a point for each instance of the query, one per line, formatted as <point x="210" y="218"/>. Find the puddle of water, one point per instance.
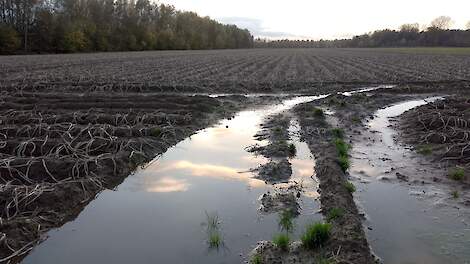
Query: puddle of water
<point x="157" y="215"/>
<point x="406" y="225"/>
<point x="367" y="89"/>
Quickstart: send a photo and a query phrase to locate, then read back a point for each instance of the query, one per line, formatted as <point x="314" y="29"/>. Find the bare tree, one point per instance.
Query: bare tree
<point x="412" y="27"/>
<point x="442" y="22"/>
<point x="468" y="25"/>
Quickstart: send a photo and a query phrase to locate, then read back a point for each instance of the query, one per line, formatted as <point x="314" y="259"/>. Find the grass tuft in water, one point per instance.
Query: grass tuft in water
<point x="286" y="221"/>
<point x="455" y="194"/>
<point x="334" y="214"/>
<point x="350" y="187"/>
<point x="214" y="239"/>
<point x="256" y="259"/>
<point x="281" y="241"/>
<point x="457" y="174"/>
<point x="316" y="235"/>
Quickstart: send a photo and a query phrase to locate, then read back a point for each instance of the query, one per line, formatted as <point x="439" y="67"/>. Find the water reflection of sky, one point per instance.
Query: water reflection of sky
<point x="155" y="216"/>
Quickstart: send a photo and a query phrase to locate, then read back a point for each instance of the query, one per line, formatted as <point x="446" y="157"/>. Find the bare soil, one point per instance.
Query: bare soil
<point x="441" y="131"/>
<point x="255" y="70"/>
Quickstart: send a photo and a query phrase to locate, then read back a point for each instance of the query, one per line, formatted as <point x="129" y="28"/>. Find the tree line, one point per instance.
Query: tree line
<point x="409" y="35"/>
<point x="109" y="25"/>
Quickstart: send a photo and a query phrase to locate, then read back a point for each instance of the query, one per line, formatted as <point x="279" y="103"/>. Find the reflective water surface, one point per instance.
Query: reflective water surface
<point x="415" y="223"/>
<point x="157" y="215"/>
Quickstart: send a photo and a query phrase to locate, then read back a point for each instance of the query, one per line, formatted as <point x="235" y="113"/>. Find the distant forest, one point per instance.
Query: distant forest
<point x="109" y="25"/>
<point x="409" y="35"/>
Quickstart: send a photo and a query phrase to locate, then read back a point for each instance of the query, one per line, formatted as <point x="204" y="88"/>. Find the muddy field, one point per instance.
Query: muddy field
<point x="323" y="145"/>
<point x="59" y="150"/>
<point x="255" y="70"/>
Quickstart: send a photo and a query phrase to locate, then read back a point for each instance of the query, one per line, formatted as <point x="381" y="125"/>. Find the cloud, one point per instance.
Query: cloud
<point x="255" y="26"/>
<point x="168" y="184"/>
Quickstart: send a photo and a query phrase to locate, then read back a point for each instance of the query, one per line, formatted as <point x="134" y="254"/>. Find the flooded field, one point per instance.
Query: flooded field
<point x="405" y="213"/>
<point x="159" y="214"/>
<point x="202" y="156"/>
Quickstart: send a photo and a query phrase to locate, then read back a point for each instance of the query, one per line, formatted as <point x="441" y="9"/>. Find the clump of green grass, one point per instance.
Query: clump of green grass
<point x="342" y="147"/>
<point x="334" y="214"/>
<point x="455" y="194"/>
<point x="316" y="235"/>
<point x="344" y="163"/>
<point x="350" y="187"/>
<point x="457" y="174"/>
<point x="286" y="221"/>
<point x="318" y="112"/>
<point x="214" y="239"/>
<point x="256" y="259"/>
<point x="281" y="241"/>
<point x="425" y="150"/>
<point x="156" y="132"/>
<point x="292" y="150"/>
<point x="338" y="133"/>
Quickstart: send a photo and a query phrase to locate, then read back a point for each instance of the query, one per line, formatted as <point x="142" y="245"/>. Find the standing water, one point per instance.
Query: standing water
<point x="406" y="224"/>
<point x="161" y="213"/>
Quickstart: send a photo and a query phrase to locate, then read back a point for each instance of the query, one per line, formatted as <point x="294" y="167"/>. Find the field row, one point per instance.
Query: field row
<point x="209" y="69"/>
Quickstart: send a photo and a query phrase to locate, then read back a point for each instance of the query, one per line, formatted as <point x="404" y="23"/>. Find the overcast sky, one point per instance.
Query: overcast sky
<point x="326" y="19"/>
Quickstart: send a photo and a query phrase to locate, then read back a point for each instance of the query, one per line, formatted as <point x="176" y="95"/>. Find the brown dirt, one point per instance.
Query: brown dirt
<point x="348" y="243"/>
<point x="441" y="131"/>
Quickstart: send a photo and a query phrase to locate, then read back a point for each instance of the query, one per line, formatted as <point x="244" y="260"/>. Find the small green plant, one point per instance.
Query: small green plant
<point x="156" y="132"/>
<point x="425" y="150"/>
<point x="316" y="235"/>
<point x="281" y="241"/>
<point x="344" y="163"/>
<point x="318" y="112"/>
<point x="337" y="133"/>
<point x="292" y="150"/>
<point x="286" y="221"/>
<point x="455" y="194"/>
<point x="350" y="187"/>
<point x="342" y="147"/>
<point x="334" y="214"/>
<point x="214" y="239"/>
<point x="256" y="259"/>
<point x="457" y="174"/>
